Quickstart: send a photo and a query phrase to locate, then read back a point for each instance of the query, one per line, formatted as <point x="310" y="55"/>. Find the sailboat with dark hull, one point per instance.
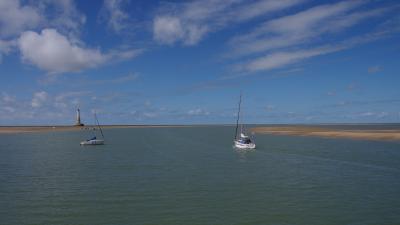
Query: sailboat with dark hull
<point x="94" y="140"/>
<point x="242" y="141"/>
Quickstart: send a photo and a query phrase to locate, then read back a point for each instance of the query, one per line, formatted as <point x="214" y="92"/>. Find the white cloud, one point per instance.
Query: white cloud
<point x="15" y="18"/>
<point x="42" y="108"/>
<point x="114" y="14"/>
<point x="19" y="16"/>
<point x="279" y="59"/>
<point x="313" y="32"/>
<point x="167" y="30"/>
<point x="53" y="52"/>
<point x="39" y="98"/>
<point x="71" y="94"/>
<point x="69" y="100"/>
<point x="259" y="8"/>
<point x="303" y="27"/>
<point x="378" y="115"/>
<point x="367" y="114"/>
<point x="190" y="22"/>
<point x="311" y="18"/>
<point x="198" y="112"/>
<point x="64" y="16"/>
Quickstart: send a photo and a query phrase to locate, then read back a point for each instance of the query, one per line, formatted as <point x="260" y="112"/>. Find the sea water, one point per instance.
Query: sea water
<point x="192" y="175"/>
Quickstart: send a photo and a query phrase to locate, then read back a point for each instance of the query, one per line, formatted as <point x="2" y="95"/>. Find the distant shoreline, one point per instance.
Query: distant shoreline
<point x="35" y="129"/>
<point x="326" y="132"/>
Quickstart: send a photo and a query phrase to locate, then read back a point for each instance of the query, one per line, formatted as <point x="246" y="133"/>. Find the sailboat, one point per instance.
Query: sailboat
<point x="242" y="141"/>
<point x="94" y="140"/>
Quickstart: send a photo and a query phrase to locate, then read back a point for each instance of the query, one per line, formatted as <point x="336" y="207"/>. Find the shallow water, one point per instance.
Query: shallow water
<point x="192" y="175"/>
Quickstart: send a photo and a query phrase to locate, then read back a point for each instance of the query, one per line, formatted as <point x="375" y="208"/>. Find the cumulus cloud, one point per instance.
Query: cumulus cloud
<point x="190" y="22"/>
<point x="39" y="98"/>
<point x="11" y="108"/>
<point x="15" y="18"/>
<point x="42" y="108"/>
<point x="53" y="52"/>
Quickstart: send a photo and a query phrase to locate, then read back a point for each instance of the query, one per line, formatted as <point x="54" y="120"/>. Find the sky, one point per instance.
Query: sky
<point x="186" y="62"/>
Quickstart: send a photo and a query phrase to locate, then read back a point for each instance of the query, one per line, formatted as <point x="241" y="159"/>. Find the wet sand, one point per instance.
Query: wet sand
<point x="374" y="134"/>
<point x="34" y="129"/>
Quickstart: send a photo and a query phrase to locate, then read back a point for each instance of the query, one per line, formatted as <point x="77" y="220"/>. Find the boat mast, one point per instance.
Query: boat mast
<point x="98" y="124"/>
<point x="238" y="114"/>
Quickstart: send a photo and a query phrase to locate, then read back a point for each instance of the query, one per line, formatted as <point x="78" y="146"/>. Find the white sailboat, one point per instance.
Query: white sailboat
<point x="242" y="141"/>
<point x="94" y="140"/>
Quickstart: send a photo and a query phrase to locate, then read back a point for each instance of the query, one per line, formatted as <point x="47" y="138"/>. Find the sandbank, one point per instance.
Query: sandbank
<point x="370" y="134"/>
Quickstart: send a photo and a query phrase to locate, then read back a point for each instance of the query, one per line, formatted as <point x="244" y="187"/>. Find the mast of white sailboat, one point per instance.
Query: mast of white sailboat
<point x="241" y="121"/>
<point x="98" y="124"/>
<point x="238" y="115"/>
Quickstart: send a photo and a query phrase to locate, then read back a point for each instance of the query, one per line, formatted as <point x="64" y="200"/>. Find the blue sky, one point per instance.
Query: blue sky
<point x="185" y="62"/>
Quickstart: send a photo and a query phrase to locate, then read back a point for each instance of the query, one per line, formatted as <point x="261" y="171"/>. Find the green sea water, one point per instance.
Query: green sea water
<point x="192" y="175"/>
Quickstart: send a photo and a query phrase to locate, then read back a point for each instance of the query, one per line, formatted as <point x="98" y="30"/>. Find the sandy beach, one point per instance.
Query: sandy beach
<point x="33" y="129"/>
<point x="327" y="132"/>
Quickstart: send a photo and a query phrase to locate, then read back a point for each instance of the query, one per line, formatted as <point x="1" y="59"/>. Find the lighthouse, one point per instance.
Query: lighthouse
<point x="78" y="118"/>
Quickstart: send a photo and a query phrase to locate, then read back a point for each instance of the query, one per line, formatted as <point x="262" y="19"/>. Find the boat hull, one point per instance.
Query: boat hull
<point x="93" y="142"/>
<point x="244" y="146"/>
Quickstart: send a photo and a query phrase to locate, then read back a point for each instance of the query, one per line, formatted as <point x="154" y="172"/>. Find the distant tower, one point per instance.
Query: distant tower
<point x="78" y="118"/>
